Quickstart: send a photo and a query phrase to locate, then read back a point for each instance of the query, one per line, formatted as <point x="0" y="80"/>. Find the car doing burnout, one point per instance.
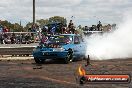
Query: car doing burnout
<point x="68" y="47"/>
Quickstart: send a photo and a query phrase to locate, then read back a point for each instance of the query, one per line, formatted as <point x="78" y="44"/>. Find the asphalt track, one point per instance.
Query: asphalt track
<point x="20" y="73"/>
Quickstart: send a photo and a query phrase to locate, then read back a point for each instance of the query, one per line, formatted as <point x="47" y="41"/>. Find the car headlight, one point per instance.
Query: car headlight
<point x="58" y="49"/>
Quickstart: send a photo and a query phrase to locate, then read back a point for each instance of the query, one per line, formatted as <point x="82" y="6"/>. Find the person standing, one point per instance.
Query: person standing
<point x="99" y="25"/>
<point x="71" y="27"/>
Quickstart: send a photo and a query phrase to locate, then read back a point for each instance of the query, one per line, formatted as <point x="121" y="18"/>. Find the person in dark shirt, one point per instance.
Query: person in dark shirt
<point x="33" y="29"/>
<point x="12" y="40"/>
<point x="99" y="25"/>
<point x="71" y="27"/>
<point x="1" y="39"/>
<point x="91" y="28"/>
<point x="1" y="28"/>
<point x="86" y="28"/>
<point x="45" y="30"/>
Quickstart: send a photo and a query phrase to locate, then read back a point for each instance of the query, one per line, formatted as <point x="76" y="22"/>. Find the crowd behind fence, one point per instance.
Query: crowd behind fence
<point x="18" y="37"/>
<point x="37" y="34"/>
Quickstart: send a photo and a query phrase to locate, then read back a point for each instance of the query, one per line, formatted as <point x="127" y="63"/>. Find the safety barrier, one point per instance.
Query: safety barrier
<point x="16" y="50"/>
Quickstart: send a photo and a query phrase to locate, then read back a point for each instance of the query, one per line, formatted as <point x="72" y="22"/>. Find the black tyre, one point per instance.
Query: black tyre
<point x="39" y="61"/>
<point x="69" y="58"/>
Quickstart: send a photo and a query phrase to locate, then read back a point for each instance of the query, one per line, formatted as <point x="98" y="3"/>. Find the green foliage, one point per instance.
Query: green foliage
<point x="28" y="25"/>
<point x="42" y="22"/>
<point x="16" y="27"/>
<point x="54" y="19"/>
<point x="13" y="27"/>
<point x="58" y="19"/>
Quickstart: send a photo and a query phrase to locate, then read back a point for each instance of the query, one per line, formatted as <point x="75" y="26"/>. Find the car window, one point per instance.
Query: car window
<point x="76" y="40"/>
<point x="61" y="39"/>
<point x="81" y="39"/>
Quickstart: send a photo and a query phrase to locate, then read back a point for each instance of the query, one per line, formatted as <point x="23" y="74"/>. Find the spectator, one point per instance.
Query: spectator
<point x="53" y="30"/>
<point x="5" y="29"/>
<point x="44" y="30"/>
<point x="86" y="28"/>
<point x="26" y="38"/>
<point x="33" y="29"/>
<point x="71" y="27"/>
<point x="44" y="39"/>
<point x="109" y="27"/>
<point x="12" y="40"/>
<point x="1" y="38"/>
<point x="29" y="30"/>
<point x="91" y="28"/>
<point x="99" y="25"/>
<point x="63" y="29"/>
<point x="1" y="28"/>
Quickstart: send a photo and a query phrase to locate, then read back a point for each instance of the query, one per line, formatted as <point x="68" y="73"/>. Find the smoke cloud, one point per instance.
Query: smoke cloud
<point x="116" y="44"/>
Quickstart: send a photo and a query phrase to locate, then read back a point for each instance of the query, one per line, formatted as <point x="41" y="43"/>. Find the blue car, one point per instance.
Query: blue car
<point x="68" y="47"/>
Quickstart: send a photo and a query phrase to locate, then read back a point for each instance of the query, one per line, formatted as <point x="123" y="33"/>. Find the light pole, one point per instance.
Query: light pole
<point x="33" y="12"/>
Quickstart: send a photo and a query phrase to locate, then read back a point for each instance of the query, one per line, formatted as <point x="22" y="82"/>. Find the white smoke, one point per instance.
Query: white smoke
<point x="117" y="44"/>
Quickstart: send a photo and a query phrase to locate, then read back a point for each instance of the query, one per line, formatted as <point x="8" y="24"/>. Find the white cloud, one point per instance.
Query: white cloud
<point x="83" y="10"/>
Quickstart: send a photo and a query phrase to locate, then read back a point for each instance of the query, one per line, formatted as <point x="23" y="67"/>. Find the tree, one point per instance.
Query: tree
<point x="28" y="25"/>
<point x="42" y="22"/>
<point x="55" y="19"/>
<point x="13" y="27"/>
<point x="7" y="24"/>
<point x="17" y="28"/>
<point x="58" y="19"/>
<point x="51" y="20"/>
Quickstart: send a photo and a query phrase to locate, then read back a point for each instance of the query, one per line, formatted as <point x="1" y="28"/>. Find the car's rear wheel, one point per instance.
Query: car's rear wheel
<point x="39" y="61"/>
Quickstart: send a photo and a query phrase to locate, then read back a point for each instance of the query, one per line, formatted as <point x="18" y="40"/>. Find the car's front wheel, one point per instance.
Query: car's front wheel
<point x="39" y="61"/>
<point x="68" y="58"/>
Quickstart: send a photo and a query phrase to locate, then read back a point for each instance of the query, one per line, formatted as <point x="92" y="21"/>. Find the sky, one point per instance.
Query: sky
<point x="84" y="12"/>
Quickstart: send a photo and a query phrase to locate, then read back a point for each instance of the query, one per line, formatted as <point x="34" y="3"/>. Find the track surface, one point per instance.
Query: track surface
<point x="54" y="74"/>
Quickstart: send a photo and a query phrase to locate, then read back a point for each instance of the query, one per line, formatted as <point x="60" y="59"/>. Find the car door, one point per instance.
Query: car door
<point x="77" y="47"/>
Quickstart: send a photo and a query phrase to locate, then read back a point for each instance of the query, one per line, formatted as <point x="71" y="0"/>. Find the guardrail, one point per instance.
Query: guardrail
<point x="92" y="31"/>
<point x="16" y="50"/>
